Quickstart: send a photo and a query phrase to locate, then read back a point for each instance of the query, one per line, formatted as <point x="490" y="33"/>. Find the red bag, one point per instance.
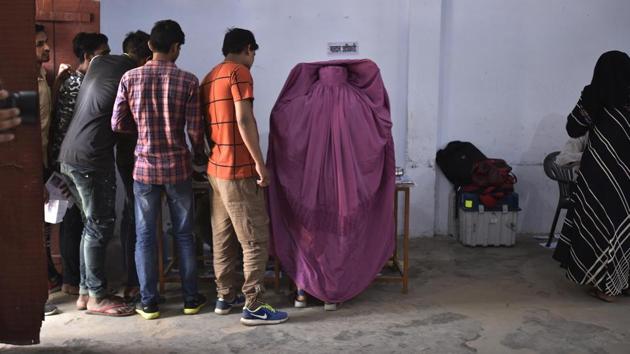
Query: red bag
<point x="492" y="179"/>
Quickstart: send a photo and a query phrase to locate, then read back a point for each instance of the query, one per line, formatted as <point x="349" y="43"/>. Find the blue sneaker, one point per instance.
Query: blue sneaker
<point x="263" y="315"/>
<point x="223" y="307"/>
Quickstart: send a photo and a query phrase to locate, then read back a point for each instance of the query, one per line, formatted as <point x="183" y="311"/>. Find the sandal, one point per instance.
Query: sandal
<point x="109" y="306"/>
<point x="596" y="293"/>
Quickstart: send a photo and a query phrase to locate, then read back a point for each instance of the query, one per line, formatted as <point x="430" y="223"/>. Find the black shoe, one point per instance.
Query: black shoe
<point x="50" y="310"/>
<point x="193" y="307"/>
<point x="148" y="312"/>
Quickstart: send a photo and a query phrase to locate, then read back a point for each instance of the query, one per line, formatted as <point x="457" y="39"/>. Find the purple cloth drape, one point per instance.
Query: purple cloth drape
<point x="331" y="159"/>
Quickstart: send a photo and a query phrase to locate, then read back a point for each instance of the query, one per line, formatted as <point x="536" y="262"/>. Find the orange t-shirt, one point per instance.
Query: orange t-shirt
<point x="227" y="83"/>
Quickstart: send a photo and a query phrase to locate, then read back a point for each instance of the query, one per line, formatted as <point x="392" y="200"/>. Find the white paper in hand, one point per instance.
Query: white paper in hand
<point x="55" y="210"/>
<point x="56" y="185"/>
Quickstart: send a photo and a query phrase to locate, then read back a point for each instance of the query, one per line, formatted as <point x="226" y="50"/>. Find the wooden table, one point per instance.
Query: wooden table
<point x="401" y="270"/>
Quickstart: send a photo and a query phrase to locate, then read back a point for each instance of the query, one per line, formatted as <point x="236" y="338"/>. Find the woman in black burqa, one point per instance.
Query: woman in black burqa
<point x="594" y="245"/>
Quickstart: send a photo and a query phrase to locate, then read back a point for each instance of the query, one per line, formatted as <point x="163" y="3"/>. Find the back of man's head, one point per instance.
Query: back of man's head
<point x="164" y="34"/>
<point x="87" y="43"/>
<point x="136" y="44"/>
<point x="237" y="40"/>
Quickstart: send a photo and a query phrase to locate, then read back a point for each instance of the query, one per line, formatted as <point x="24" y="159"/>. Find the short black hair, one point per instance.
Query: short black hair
<point x="39" y="28"/>
<point x="237" y="40"/>
<point x="164" y="34"/>
<point x="137" y="44"/>
<point x="87" y="43"/>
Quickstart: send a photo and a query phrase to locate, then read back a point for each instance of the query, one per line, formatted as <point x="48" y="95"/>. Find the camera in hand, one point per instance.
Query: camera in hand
<point x="27" y="102"/>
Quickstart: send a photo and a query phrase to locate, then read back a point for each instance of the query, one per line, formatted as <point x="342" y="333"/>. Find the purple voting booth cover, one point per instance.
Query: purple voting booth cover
<point x="331" y="160"/>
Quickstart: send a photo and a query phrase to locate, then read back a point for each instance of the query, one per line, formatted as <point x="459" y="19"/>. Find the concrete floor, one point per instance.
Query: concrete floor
<point x="461" y="300"/>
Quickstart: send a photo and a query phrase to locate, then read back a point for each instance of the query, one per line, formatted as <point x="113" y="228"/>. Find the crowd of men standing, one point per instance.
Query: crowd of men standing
<point x="132" y="114"/>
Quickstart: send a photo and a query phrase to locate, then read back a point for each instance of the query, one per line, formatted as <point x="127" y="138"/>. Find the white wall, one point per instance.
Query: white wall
<point x="288" y="32"/>
<point x="500" y="73"/>
<point x="425" y="18"/>
<point x="511" y="72"/>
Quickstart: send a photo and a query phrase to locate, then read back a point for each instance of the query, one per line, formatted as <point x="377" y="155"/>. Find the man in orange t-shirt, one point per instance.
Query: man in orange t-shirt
<point x="236" y="170"/>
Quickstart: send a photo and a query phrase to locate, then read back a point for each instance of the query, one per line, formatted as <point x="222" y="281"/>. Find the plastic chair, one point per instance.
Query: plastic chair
<point x="564" y="177"/>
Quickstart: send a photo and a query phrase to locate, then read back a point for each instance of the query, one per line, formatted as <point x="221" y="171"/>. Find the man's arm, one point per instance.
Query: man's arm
<point x="249" y="133"/>
<point x="205" y="117"/>
<point x="122" y="121"/>
<point x="194" y="123"/>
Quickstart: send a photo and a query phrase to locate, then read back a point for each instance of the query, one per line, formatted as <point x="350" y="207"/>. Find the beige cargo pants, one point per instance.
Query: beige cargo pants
<point x="239" y="215"/>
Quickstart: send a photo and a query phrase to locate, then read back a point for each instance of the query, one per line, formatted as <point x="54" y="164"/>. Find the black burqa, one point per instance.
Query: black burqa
<point x="594" y="245"/>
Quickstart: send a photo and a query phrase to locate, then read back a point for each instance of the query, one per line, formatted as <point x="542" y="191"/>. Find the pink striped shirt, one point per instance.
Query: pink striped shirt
<point x="161" y="103"/>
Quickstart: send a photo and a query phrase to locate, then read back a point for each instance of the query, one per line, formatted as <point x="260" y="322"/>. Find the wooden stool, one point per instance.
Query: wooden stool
<point x="402" y="271"/>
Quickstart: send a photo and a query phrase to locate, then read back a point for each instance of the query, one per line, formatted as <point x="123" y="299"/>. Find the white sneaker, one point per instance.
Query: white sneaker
<point x="330" y="306"/>
<point x="300" y="299"/>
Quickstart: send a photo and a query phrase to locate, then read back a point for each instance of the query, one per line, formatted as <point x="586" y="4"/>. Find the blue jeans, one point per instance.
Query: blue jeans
<point x="180" y="203"/>
<point x="95" y="194"/>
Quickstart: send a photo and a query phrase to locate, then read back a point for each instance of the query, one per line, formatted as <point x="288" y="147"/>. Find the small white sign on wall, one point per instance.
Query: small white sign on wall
<point x="340" y="48"/>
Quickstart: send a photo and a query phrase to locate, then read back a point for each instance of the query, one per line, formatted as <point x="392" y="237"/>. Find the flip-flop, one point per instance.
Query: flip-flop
<point x="103" y="311"/>
<point x="598" y="295"/>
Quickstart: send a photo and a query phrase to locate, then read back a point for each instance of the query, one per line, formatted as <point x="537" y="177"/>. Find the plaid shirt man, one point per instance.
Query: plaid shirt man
<point x="159" y="101"/>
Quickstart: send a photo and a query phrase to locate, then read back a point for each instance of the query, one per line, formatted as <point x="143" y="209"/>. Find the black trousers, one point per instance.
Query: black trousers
<point x="128" y="225"/>
<point x="70" y="244"/>
<point x="52" y="271"/>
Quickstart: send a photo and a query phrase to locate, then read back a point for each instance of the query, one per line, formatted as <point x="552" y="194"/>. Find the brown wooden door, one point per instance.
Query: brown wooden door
<point x="23" y="283"/>
<point x="63" y="19"/>
<point x="23" y="289"/>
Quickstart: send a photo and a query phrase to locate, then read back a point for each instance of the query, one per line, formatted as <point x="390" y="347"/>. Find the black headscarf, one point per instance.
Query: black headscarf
<point x="610" y="86"/>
